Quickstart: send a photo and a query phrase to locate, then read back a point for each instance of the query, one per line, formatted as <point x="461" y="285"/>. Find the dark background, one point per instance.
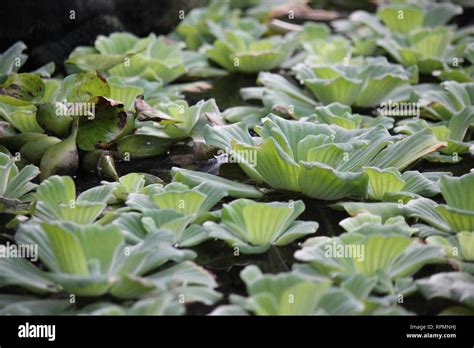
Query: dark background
<point x="46" y="28"/>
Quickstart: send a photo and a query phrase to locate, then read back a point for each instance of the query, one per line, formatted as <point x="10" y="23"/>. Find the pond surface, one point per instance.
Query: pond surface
<point x="217" y="256"/>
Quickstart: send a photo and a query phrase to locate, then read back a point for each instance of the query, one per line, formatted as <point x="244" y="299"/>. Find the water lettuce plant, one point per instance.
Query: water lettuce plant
<point x="455" y="132"/>
<point x="458" y="210"/>
<point x="130" y="184"/>
<point x="429" y="49"/>
<point x="279" y="96"/>
<point x="92" y="260"/>
<point x="456" y="215"/>
<point x="239" y="51"/>
<point x="124" y="54"/>
<point x="57" y="201"/>
<point x="16" y="185"/>
<point x="443" y="219"/>
<point x="387" y="255"/>
<point x="196" y="201"/>
<point x="463" y="73"/>
<point x="178" y="226"/>
<point x="204" y="24"/>
<point x="288" y="294"/>
<point x="160" y="126"/>
<point x="414" y="16"/>
<point x="322" y="48"/>
<point x="459" y="249"/>
<point x="442" y="103"/>
<point x="364" y="82"/>
<point x="254" y="227"/>
<point x="325" y="162"/>
<point x="304" y="113"/>
<point x="454" y="286"/>
<point x="396" y="21"/>
<point x="341" y="115"/>
<point x="295" y="293"/>
<point x="193" y="178"/>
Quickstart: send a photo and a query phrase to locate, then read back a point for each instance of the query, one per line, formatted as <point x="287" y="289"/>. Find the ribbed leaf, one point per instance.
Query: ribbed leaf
<point x="458" y="192"/>
<point x="285" y="294"/>
<point x="194" y="178"/>
<point x="338" y="89"/>
<point x="274" y="165"/>
<point x="380" y="253"/>
<point x="21" y="184"/>
<point x="404" y="152"/>
<point x="365" y="82"/>
<point x="67" y="250"/>
<point x="459" y="220"/>
<point x="466" y="241"/>
<point x="280" y="95"/>
<point x="239" y="51"/>
<point x="254" y="227"/>
<point x="23" y="118"/>
<point x="100" y="244"/>
<point x="455" y="286"/>
<point x="53" y="192"/>
<point x="21" y="272"/>
<point x="186" y="202"/>
<point x="82" y="213"/>
<point x="318" y="180"/>
<point x="263" y="222"/>
<point x="402" y="18"/>
<point x="415" y="257"/>
<point x="381" y="181"/>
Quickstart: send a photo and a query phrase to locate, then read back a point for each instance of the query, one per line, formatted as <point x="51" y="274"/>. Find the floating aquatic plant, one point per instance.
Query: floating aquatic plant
<point x="57" y="201"/>
<point x="455" y="286"/>
<point x="453" y="217"/>
<point x="294" y="293"/>
<point x="325" y="162"/>
<point x="361" y="82"/>
<point x="239" y="51"/>
<point x="280" y="96"/>
<point x="389" y="255"/>
<point x="288" y="294"/>
<point x="125" y="55"/>
<point x="159" y="127"/>
<point x="15" y="185"/>
<point x="459" y="249"/>
<point x="205" y="24"/>
<point x="254" y="227"/>
<point x="92" y="260"/>
<point x="429" y="49"/>
<point x="234" y="189"/>
<point x="316" y="124"/>
<point x="453" y="131"/>
<point x="442" y="103"/>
